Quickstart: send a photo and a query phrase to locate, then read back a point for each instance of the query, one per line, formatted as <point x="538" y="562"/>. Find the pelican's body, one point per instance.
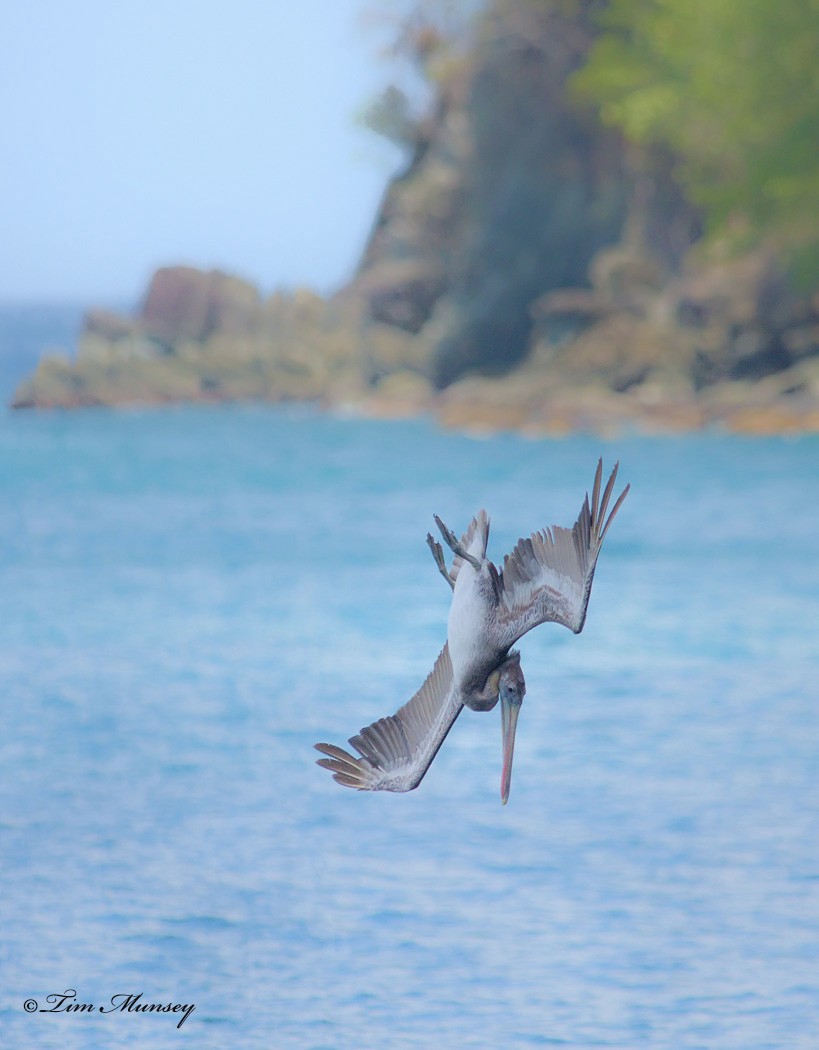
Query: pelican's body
<point x="472" y="651"/>
<point x="545" y="578"/>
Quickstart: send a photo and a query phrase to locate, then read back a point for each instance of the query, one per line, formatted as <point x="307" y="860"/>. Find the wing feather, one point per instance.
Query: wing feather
<point x="395" y="752"/>
<point x="548" y="576"/>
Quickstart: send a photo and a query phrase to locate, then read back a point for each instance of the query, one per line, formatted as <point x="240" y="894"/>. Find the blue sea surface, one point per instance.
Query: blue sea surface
<point x="190" y="598"/>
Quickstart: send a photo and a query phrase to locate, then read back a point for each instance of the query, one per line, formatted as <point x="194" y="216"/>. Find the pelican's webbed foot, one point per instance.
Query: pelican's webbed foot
<point x="438" y="555"/>
<point x="455" y="544"/>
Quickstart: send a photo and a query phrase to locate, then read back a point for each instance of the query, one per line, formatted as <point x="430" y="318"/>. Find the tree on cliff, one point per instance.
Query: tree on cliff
<point x="732" y="87"/>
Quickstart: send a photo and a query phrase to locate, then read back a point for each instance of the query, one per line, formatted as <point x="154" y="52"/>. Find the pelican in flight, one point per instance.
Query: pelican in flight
<point x="546" y="578"/>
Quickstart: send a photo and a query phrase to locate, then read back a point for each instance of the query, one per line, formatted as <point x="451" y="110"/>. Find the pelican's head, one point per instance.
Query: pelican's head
<point x="512" y="689"/>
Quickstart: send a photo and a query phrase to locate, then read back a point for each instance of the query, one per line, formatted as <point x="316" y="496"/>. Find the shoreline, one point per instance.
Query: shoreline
<point x="481" y="414"/>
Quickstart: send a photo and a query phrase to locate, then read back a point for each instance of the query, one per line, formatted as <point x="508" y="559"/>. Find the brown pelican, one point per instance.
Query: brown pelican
<point x="546" y="578"/>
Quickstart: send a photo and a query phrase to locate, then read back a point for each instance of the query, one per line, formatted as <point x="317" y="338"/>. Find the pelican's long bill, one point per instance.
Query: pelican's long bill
<point x="510" y="701"/>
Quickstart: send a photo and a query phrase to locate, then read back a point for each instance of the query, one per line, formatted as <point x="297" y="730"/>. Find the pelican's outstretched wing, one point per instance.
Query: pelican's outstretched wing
<point x="548" y="577"/>
<point x="395" y="752"/>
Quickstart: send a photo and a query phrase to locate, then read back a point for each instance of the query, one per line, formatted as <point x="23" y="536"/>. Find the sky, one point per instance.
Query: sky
<point x="142" y="133"/>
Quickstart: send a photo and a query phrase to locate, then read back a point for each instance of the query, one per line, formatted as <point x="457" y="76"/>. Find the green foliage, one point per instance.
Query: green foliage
<point x="732" y="87"/>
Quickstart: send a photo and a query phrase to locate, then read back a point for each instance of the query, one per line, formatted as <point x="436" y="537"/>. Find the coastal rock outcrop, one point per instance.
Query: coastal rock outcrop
<point x="183" y="303"/>
<point x="729" y="344"/>
<point x="525" y="270"/>
<point x="511" y="191"/>
<point x="206" y="336"/>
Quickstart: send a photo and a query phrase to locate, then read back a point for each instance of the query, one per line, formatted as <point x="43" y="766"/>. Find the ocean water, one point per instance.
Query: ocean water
<point x="190" y="598"/>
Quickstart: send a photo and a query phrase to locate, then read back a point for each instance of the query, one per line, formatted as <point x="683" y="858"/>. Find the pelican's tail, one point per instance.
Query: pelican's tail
<point x="474" y="541"/>
<point x="476" y="537"/>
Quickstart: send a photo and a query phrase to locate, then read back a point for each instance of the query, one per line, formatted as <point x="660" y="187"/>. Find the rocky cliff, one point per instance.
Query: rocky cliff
<point x="525" y="270"/>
